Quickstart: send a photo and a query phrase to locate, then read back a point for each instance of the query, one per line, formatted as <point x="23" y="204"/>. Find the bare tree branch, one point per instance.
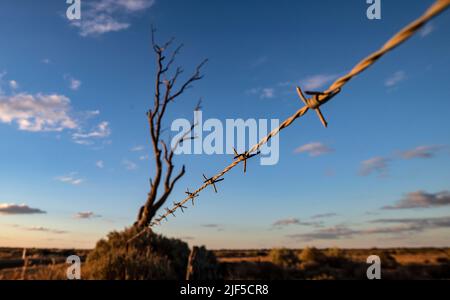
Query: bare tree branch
<point x="163" y="181"/>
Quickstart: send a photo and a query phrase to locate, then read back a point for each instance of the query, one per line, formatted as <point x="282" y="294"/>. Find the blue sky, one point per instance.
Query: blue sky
<point x="73" y="98"/>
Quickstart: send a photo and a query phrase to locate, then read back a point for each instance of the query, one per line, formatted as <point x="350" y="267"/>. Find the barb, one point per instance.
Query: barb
<point x="212" y="181"/>
<point x="317" y="100"/>
<point x="244" y="157"/>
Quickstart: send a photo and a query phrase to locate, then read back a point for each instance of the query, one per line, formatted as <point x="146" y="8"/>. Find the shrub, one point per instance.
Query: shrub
<point x="336" y="258"/>
<point x="387" y="260"/>
<point x="150" y="256"/>
<point x="311" y="254"/>
<point x="283" y="257"/>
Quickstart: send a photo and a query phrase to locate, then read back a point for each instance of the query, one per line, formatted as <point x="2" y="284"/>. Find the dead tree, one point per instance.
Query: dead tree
<point x="167" y="90"/>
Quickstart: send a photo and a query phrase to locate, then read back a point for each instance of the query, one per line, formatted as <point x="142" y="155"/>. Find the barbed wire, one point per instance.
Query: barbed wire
<point x="316" y="100"/>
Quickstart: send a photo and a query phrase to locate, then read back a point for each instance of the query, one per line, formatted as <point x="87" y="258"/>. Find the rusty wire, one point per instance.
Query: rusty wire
<point x="314" y="103"/>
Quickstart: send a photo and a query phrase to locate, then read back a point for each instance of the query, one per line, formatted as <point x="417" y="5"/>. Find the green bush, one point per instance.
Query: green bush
<point x="283" y="257"/>
<point x="150" y="256"/>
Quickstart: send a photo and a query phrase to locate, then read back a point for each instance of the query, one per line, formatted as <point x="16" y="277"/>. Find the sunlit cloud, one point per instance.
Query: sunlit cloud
<point x="421" y="199"/>
<point x="86" y="215"/>
<point x="293" y="221"/>
<point x="314" y="149"/>
<point x="322" y="216"/>
<point x="44" y="229"/>
<point x="15" y="209"/>
<point x="421" y="152"/>
<point x="378" y="165"/>
<point x="38" y="112"/>
<point x="402" y="226"/>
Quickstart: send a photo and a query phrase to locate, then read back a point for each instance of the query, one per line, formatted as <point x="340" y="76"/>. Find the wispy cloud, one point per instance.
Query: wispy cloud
<point x="293" y="221"/>
<point x="322" y="216"/>
<point x="421" y="152"/>
<point x="100" y="164"/>
<point x="210" y="225"/>
<point x="105" y="16"/>
<point x="402" y="226"/>
<point x="378" y="165"/>
<point x="314" y="149"/>
<point x="16" y="209"/>
<point x="426" y="30"/>
<point x="267" y="93"/>
<point x="74" y="84"/>
<point x="129" y="165"/>
<point x="395" y="79"/>
<point x="259" y="61"/>
<point x="330" y="233"/>
<point x="286" y="222"/>
<point x="316" y="81"/>
<point x="13" y="84"/>
<point x="262" y="93"/>
<point x="71" y="178"/>
<point x="137" y="148"/>
<point x="102" y="130"/>
<point x="44" y="229"/>
<point x="86" y="215"/>
<point x="421" y="199"/>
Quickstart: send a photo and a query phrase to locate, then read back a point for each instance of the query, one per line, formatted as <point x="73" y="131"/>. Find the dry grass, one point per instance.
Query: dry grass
<point x="426" y="263"/>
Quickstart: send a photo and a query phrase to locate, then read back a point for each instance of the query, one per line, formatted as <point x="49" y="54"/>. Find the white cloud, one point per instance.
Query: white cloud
<point x="263" y="93"/>
<point x="74" y="84"/>
<point x="109" y="15"/>
<point x="267" y="93"/>
<point x="85" y="138"/>
<point x="100" y="164"/>
<point x="46" y="61"/>
<point x="129" y="165"/>
<point x="47" y="112"/>
<point x="427" y="30"/>
<point x="374" y="165"/>
<point x="38" y="112"/>
<point x="13" y="84"/>
<point x="86" y="215"/>
<point x="316" y="81"/>
<point x="71" y="178"/>
<point x="143" y="157"/>
<point x="395" y="78"/>
<point x="314" y="149"/>
<point x="137" y="149"/>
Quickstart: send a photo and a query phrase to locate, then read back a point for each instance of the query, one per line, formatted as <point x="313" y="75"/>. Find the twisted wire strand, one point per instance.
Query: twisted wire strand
<point x="438" y="7"/>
